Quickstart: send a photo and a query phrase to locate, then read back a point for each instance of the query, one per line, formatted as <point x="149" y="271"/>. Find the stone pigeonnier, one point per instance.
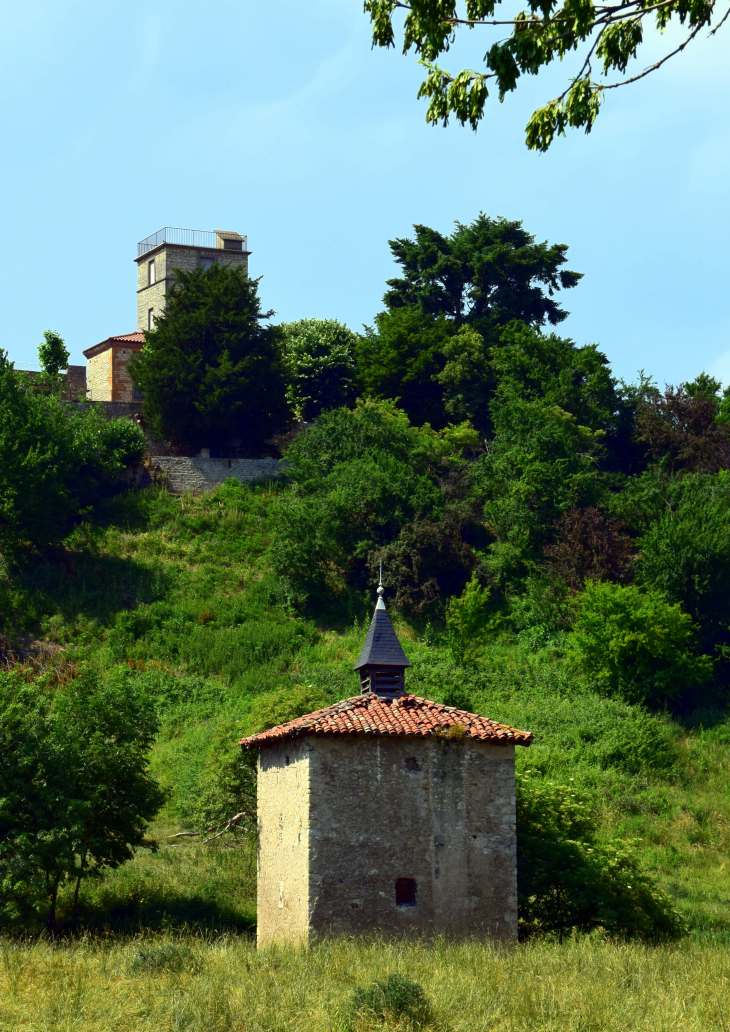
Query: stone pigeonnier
<point x="386" y="813"/>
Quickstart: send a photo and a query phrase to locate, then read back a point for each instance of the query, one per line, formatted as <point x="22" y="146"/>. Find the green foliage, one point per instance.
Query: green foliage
<point x="546" y="33"/>
<point x="396" y="998"/>
<point x="53" y="353"/>
<point x="320" y="365"/>
<point x="402" y="358"/>
<point x="468" y="623"/>
<point x="210" y="372"/>
<point x="569" y="881"/>
<point x="281" y="706"/>
<point x="686" y="553"/>
<point x="542" y="462"/>
<point x="359" y="476"/>
<point x="57" y="460"/>
<point x="75" y="790"/>
<point x="483" y="276"/>
<point x="636" y="644"/>
<point x="227" y="785"/>
<point x="538" y="366"/>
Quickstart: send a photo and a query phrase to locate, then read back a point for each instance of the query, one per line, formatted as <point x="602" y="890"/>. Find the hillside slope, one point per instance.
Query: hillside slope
<point x="178" y="594"/>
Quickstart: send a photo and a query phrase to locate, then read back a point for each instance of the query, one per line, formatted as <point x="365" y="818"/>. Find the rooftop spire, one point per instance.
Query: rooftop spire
<point x="381" y="591"/>
<point x="382" y="661"/>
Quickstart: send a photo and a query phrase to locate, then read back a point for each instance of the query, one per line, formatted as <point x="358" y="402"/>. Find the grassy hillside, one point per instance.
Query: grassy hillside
<point x="177" y="593"/>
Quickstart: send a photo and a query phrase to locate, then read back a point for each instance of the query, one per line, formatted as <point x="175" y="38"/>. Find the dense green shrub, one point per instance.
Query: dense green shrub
<point x="634" y="643"/>
<point x="541" y="463"/>
<point x="568" y="880"/>
<point x="686" y="553"/>
<point x="57" y="460"/>
<point x="360" y="475"/>
<point x="396" y="998"/>
<point x="320" y="365"/>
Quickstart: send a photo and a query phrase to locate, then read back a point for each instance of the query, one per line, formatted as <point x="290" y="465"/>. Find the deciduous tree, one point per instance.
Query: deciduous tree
<point x="605" y="36"/>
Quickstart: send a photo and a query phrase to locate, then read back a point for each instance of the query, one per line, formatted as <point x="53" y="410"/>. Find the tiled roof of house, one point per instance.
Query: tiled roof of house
<point x="382" y="645"/>
<point x="123" y="338"/>
<point x="403" y="715"/>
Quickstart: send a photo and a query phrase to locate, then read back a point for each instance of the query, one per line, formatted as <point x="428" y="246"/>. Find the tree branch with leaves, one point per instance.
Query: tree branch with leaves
<point x="607" y="38"/>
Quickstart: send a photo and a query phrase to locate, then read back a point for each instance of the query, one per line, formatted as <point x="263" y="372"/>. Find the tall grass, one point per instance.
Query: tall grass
<point x="183" y="982"/>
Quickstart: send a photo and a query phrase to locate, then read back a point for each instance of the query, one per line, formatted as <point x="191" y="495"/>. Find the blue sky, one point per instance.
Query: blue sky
<point x="279" y="121"/>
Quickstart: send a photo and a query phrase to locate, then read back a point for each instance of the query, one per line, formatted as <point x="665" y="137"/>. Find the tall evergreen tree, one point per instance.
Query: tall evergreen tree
<point x="210" y="371"/>
<point x="480" y="278"/>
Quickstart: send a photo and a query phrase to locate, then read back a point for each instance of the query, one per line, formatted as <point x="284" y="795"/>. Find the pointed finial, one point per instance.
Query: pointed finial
<point x="381" y="591"/>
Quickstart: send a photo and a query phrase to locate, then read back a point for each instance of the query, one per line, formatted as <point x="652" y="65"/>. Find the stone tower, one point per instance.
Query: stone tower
<point x="386" y="814"/>
<point x="169" y="249"/>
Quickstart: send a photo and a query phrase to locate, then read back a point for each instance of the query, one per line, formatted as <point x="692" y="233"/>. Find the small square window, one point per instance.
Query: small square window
<point x="405" y="892"/>
<point x="207" y="263"/>
<point x="138" y="392"/>
<point x="151" y="319"/>
<point x="151" y="278"/>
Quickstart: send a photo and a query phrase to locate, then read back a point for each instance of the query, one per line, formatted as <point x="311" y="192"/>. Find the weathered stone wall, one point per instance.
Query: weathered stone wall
<point x="375" y="810"/>
<point x="283" y="875"/>
<point x="168" y="258"/>
<point x="122" y="382"/>
<point x="99" y="376"/>
<point x="199" y="475"/>
<point x="437" y="811"/>
<point x="74" y="380"/>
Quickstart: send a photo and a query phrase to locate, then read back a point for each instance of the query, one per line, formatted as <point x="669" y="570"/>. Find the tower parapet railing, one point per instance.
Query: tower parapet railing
<point x="183" y="237"/>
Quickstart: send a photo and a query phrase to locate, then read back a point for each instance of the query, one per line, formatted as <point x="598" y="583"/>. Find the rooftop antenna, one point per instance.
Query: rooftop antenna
<point x="381" y="590"/>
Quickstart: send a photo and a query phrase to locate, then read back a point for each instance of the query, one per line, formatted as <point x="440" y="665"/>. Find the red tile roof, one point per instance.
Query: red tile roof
<point x="123" y="338"/>
<point x="402" y="715"/>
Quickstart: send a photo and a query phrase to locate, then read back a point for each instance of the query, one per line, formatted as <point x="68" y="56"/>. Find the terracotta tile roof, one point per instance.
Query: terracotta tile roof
<point x="402" y="715"/>
<point x="123" y="338"/>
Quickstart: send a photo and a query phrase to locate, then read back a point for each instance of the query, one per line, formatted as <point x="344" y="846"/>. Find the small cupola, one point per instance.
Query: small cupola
<point x="382" y="662"/>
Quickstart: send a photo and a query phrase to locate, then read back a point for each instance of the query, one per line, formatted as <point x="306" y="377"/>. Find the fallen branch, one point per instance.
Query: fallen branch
<point x="230" y="826"/>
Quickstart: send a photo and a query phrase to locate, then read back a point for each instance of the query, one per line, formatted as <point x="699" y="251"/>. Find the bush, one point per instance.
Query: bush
<point x="685" y="553"/>
<point x="57" y="460"/>
<point x="468" y="623"/>
<point x="566" y="880"/>
<point x="320" y="365"/>
<point x="636" y="644"/>
<point x="396" y="998"/>
<point x="360" y="476"/>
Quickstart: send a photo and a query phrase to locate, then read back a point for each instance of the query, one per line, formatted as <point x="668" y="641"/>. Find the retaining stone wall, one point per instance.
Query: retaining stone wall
<point x="201" y="475"/>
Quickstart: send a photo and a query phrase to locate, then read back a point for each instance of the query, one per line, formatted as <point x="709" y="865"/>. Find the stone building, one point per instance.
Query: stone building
<point x="157" y="258"/>
<point x="160" y="254"/>
<point x="107" y="376"/>
<point x="386" y="813"/>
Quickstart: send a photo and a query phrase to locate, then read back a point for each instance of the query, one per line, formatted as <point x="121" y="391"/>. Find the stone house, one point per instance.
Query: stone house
<point x="386" y="813"/>
<point x="158" y="256"/>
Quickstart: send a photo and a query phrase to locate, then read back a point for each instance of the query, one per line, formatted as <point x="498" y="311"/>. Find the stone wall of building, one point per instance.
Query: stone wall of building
<point x="283" y="809"/>
<point x="199" y="475"/>
<point x="436" y="811"/>
<point x="167" y="258"/>
<point x="99" y="376"/>
<point x="122" y="382"/>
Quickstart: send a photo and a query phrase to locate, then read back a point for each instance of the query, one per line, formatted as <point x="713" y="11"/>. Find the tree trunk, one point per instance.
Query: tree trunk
<point x="78" y="886"/>
<point x="51" y="926"/>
